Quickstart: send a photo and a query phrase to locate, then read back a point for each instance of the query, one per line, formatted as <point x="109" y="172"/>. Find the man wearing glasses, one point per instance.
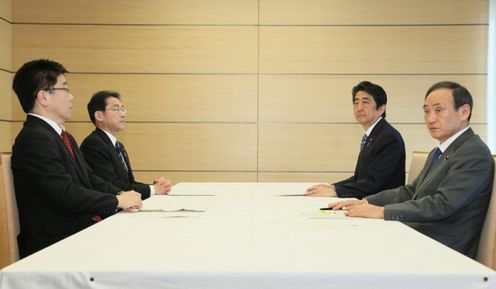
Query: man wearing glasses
<point x="106" y="155"/>
<point x="57" y="193"/>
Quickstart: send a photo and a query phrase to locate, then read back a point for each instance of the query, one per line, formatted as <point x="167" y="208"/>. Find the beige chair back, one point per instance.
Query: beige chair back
<point x="486" y="254"/>
<point x="416" y="165"/>
<point x="9" y="199"/>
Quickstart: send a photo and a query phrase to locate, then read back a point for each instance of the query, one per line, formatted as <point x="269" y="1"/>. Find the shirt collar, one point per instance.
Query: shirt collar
<point x="451" y="139"/>
<point x="369" y="130"/>
<point x="58" y="128"/>
<point x="112" y="138"/>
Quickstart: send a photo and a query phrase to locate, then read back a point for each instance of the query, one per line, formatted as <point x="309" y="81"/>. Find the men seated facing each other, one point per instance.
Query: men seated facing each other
<point x="57" y="193"/>
<point x="381" y="161"/>
<point x="449" y="198"/>
<point x="105" y="154"/>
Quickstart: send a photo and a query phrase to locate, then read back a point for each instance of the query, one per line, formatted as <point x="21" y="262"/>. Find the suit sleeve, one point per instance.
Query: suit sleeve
<point x="98" y="157"/>
<point x="143" y="189"/>
<point x="392" y="196"/>
<point x="99" y="183"/>
<point x="452" y="190"/>
<point x="388" y="153"/>
<point x="42" y="159"/>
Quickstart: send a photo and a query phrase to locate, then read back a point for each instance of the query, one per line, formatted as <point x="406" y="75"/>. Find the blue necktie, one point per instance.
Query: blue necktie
<point x="364" y="142"/>
<point x="435" y="158"/>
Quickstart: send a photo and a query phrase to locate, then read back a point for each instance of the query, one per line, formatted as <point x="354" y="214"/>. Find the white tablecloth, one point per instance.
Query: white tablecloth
<point x="245" y="235"/>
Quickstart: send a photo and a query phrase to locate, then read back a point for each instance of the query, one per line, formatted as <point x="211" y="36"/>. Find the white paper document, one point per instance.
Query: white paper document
<point x="325" y="214"/>
<point x="174" y="205"/>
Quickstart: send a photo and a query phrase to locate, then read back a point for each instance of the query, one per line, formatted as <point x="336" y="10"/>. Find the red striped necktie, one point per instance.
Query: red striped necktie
<point x="67" y="143"/>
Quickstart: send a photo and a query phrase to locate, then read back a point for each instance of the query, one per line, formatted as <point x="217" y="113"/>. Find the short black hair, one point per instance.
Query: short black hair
<point x="377" y="92"/>
<point x="34" y="76"/>
<point x="461" y="95"/>
<point x="98" y="102"/>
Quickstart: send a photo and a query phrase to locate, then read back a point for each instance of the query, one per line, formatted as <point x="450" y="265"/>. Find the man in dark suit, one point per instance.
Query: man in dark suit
<point x="105" y="154"/>
<point x="381" y="161"/>
<point x="57" y="193"/>
<point x="449" y="198"/>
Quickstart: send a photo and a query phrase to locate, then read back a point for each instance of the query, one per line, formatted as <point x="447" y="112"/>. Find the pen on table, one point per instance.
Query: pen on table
<point x="331" y="209"/>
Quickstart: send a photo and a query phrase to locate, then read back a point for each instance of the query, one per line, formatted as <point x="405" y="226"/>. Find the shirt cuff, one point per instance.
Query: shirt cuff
<point x="152" y="190"/>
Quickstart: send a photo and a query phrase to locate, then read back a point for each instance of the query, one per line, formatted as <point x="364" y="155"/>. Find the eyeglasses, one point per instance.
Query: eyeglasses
<point x="51" y="90"/>
<point x="118" y="109"/>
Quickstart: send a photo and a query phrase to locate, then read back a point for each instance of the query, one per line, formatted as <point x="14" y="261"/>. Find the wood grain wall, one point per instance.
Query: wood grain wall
<point x="5" y="113"/>
<point x="5" y="75"/>
<point x="252" y="90"/>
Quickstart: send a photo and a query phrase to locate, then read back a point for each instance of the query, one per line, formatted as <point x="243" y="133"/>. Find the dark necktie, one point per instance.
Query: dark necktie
<point x="435" y="158"/>
<point x="364" y="142"/>
<point x="120" y="153"/>
<point x="67" y="143"/>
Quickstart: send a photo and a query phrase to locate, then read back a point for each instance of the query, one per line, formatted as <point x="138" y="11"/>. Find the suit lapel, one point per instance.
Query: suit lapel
<point x="113" y="153"/>
<point x="372" y="137"/>
<point x="78" y="163"/>
<point x="80" y="172"/>
<point x="362" y="156"/>
<point x="425" y="176"/>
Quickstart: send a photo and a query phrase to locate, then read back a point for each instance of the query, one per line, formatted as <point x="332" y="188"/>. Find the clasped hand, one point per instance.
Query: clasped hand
<point x="162" y="186"/>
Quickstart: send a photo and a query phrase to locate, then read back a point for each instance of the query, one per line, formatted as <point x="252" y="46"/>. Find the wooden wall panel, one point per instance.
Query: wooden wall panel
<point x="5" y="9"/>
<point x="5" y="95"/>
<point x="254" y="90"/>
<point x="197" y="146"/>
<point x="139" y="49"/>
<point x="297" y="152"/>
<point x="5" y="136"/>
<point x="417" y="138"/>
<point x="239" y="12"/>
<point x="397" y="49"/>
<point x="5" y="45"/>
<point x="5" y="91"/>
<point x="481" y="130"/>
<point x="15" y="128"/>
<point x="303" y="177"/>
<point x="228" y="98"/>
<point x="376" y="12"/>
<point x="308" y="147"/>
<point x="327" y="98"/>
<point x="197" y="176"/>
<point x="324" y="148"/>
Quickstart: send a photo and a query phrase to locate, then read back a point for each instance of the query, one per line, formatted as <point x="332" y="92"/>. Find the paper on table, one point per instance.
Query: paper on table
<point x="325" y="214"/>
<point x="189" y="195"/>
<point x="175" y="206"/>
<point x="174" y="210"/>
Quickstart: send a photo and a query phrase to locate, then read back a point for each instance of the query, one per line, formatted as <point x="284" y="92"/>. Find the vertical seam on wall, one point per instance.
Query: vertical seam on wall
<point x="258" y="87"/>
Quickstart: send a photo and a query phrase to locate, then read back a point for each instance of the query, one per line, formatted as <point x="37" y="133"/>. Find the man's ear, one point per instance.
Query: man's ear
<point x="99" y="116"/>
<point x="464" y="111"/>
<point x="382" y="109"/>
<point x="41" y="97"/>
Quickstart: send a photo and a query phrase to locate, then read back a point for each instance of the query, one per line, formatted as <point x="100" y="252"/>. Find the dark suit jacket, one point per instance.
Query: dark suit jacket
<point x="100" y="154"/>
<point x="449" y="202"/>
<point x="380" y="165"/>
<point x="57" y="195"/>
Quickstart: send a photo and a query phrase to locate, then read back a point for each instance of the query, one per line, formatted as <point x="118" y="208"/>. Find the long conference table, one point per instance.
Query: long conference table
<point x="245" y="235"/>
